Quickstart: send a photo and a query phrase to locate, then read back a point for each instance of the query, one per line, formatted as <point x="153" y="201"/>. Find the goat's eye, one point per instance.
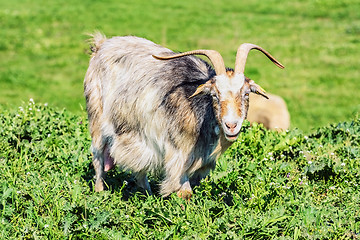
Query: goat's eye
<point x="246" y="94"/>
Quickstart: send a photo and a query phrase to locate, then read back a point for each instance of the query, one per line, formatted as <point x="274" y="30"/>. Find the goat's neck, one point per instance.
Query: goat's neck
<point x="224" y="143"/>
<point x="222" y="146"/>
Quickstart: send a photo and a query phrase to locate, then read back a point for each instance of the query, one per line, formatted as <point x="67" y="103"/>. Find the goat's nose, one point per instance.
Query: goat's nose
<point x="231" y="126"/>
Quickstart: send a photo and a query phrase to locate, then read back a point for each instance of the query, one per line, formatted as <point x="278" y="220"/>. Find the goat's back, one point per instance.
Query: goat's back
<point x="128" y="90"/>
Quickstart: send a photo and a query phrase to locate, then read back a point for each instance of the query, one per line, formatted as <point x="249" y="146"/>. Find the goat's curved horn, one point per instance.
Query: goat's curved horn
<point x="243" y="52"/>
<point x="214" y="57"/>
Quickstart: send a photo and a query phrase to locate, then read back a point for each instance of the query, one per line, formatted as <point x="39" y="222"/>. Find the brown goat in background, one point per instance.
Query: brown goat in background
<point x="272" y="112"/>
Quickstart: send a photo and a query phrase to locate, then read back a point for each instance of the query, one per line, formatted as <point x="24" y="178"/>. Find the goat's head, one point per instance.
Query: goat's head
<point x="230" y="89"/>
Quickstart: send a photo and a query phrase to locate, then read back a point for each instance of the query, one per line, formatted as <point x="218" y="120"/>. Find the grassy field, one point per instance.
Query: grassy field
<point x="42" y="47"/>
<point x="267" y="186"/>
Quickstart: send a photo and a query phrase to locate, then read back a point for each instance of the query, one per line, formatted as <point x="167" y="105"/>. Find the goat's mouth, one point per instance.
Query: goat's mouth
<point x="231" y="137"/>
<point x="232" y="131"/>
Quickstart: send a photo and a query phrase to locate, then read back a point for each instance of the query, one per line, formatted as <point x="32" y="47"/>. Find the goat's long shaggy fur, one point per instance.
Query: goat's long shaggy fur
<point x="143" y="117"/>
<point x="151" y="109"/>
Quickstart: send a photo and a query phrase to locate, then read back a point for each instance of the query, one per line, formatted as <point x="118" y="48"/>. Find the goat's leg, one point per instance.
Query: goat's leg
<point x="185" y="190"/>
<point x="98" y="163"/>
<point x="102" y="163"/>
<point x="201" y="173"/>
<point x="180" y="185"/>
<point x="176" y="181"/>
<point x="198" y="175"/>
<point x="142" y="181"/>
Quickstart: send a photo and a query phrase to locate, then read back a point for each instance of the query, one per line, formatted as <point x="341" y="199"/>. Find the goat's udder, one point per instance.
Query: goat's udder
<point x="108" y="160"/>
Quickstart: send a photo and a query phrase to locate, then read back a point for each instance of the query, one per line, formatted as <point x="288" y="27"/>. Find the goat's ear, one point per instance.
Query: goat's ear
<point x="203" y="88"/>
<point x="257" y="89"/>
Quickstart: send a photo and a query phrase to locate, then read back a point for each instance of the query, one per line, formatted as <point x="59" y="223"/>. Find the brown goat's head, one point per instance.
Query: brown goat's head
<point x="230" y="89"/>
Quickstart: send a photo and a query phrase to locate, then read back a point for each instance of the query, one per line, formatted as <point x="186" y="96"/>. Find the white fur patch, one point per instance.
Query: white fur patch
<point x="228" y="89"/>
<point x="231" y="115"/>
<point x="225" y="84"/>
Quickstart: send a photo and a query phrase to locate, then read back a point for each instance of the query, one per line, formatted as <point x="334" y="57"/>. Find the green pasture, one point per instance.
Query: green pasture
<point x="43" y="47"/>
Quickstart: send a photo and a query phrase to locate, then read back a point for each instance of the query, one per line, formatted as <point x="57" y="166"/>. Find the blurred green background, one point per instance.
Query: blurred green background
<point x="43" y="49"/>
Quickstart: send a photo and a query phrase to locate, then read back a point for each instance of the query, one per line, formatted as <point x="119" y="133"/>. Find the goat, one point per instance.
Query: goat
<point x="152" y="110"/>
<point x="272" y="112"/>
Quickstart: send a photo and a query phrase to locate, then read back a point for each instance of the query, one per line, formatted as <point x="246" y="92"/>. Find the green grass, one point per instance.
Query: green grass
<point x="267" y="186"/>
<point x="42" y="47"/>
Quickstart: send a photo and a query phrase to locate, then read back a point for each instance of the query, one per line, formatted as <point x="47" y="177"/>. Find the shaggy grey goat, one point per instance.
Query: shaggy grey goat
<point x="151" y="109"/>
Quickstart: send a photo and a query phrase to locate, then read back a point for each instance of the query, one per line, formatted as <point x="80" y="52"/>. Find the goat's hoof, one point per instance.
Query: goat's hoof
<point x="184" y="194"/>
<point x="99" y="186"/>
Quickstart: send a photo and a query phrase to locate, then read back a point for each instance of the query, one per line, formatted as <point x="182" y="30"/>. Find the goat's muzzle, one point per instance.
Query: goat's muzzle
<point x="231" y="130"/>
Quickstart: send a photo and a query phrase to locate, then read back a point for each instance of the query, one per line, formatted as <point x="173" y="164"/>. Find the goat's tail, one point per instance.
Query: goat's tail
<point x="93" y="90"/>
<point x="96" y="40"/>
